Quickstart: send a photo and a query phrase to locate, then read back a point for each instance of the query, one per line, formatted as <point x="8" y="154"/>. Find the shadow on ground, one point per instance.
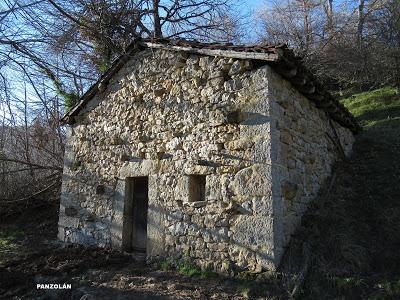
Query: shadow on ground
<point x="30" y="255"/>
<point x="355" y="231"/>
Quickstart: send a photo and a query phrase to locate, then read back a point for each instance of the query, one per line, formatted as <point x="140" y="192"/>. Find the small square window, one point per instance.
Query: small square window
<point x="197" y="188"/>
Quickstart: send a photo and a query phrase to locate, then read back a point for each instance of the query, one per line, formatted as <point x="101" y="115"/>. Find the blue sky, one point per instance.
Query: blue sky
<point x="252" y="4"/>
<point x="251" y="7"/>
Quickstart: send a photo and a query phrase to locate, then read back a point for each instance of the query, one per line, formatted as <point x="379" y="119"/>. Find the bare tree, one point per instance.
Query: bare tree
<point x="385" y="29"/>
<point x="107" y="26"/>
<point x="52" y="50"/>
<point x="31" y="139"/>
<point x="294" y="22"/>
<point x="350" y="45"/>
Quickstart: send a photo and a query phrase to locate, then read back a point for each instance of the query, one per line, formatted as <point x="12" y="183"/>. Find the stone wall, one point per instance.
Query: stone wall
<point x="168" y="115"/>
<point x="309" y="143"/>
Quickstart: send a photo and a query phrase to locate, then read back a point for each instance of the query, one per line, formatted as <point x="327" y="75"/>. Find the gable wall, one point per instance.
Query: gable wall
<point x="167" y="115"/>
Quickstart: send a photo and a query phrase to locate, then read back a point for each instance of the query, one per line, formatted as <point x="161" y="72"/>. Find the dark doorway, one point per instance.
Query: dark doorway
<point x="135" y="214"/>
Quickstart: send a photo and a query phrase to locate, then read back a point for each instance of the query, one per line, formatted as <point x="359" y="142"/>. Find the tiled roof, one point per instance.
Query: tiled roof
<point x="279" y="57"/>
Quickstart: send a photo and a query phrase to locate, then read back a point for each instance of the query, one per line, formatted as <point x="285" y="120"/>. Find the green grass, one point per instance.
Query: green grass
<point x="355" y="234"/>
<point x="184" y="267"/>
<point x="375" y="108"/>
<point x="188" y="268"/>
<point x="166" y="265"/>
<point x="9" y="243"/>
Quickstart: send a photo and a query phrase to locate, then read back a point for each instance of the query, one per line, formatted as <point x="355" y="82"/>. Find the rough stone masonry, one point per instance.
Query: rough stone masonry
<point x="233" y="154"/>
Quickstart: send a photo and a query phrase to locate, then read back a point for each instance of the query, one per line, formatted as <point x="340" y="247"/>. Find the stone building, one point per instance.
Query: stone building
<point x="206" y="151"/>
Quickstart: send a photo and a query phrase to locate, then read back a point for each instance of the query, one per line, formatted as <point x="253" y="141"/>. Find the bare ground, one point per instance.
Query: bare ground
<point x="30" y="254"/>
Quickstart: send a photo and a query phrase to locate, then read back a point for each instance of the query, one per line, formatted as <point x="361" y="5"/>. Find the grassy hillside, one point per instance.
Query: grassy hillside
<point x="375" y="109"/>
<point x="355" y="232"/>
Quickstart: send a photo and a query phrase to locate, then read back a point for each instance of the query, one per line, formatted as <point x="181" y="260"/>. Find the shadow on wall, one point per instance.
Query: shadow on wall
<point x="251" y="119"/>
<point x="88" y="229"/>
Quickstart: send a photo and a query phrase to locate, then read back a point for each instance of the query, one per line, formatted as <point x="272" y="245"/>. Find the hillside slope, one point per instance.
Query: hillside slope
<point x="355" y="231"/>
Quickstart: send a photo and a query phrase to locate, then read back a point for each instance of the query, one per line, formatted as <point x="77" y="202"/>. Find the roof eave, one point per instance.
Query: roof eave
<point x="274" y="55"/>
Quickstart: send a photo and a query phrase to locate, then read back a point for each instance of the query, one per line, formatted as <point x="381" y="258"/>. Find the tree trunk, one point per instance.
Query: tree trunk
<point x="156" y="19"/>
<point x="361" y="19"/>
<point x="397" y="80"/>
<point x="329" y="15"/>
<point x="307" y="24"/>
<point x="396" y="25"/>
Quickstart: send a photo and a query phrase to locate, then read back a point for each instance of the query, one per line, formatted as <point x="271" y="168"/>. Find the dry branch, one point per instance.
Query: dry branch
<point x="7" y="201"/>
<point x="31" y="164"/>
